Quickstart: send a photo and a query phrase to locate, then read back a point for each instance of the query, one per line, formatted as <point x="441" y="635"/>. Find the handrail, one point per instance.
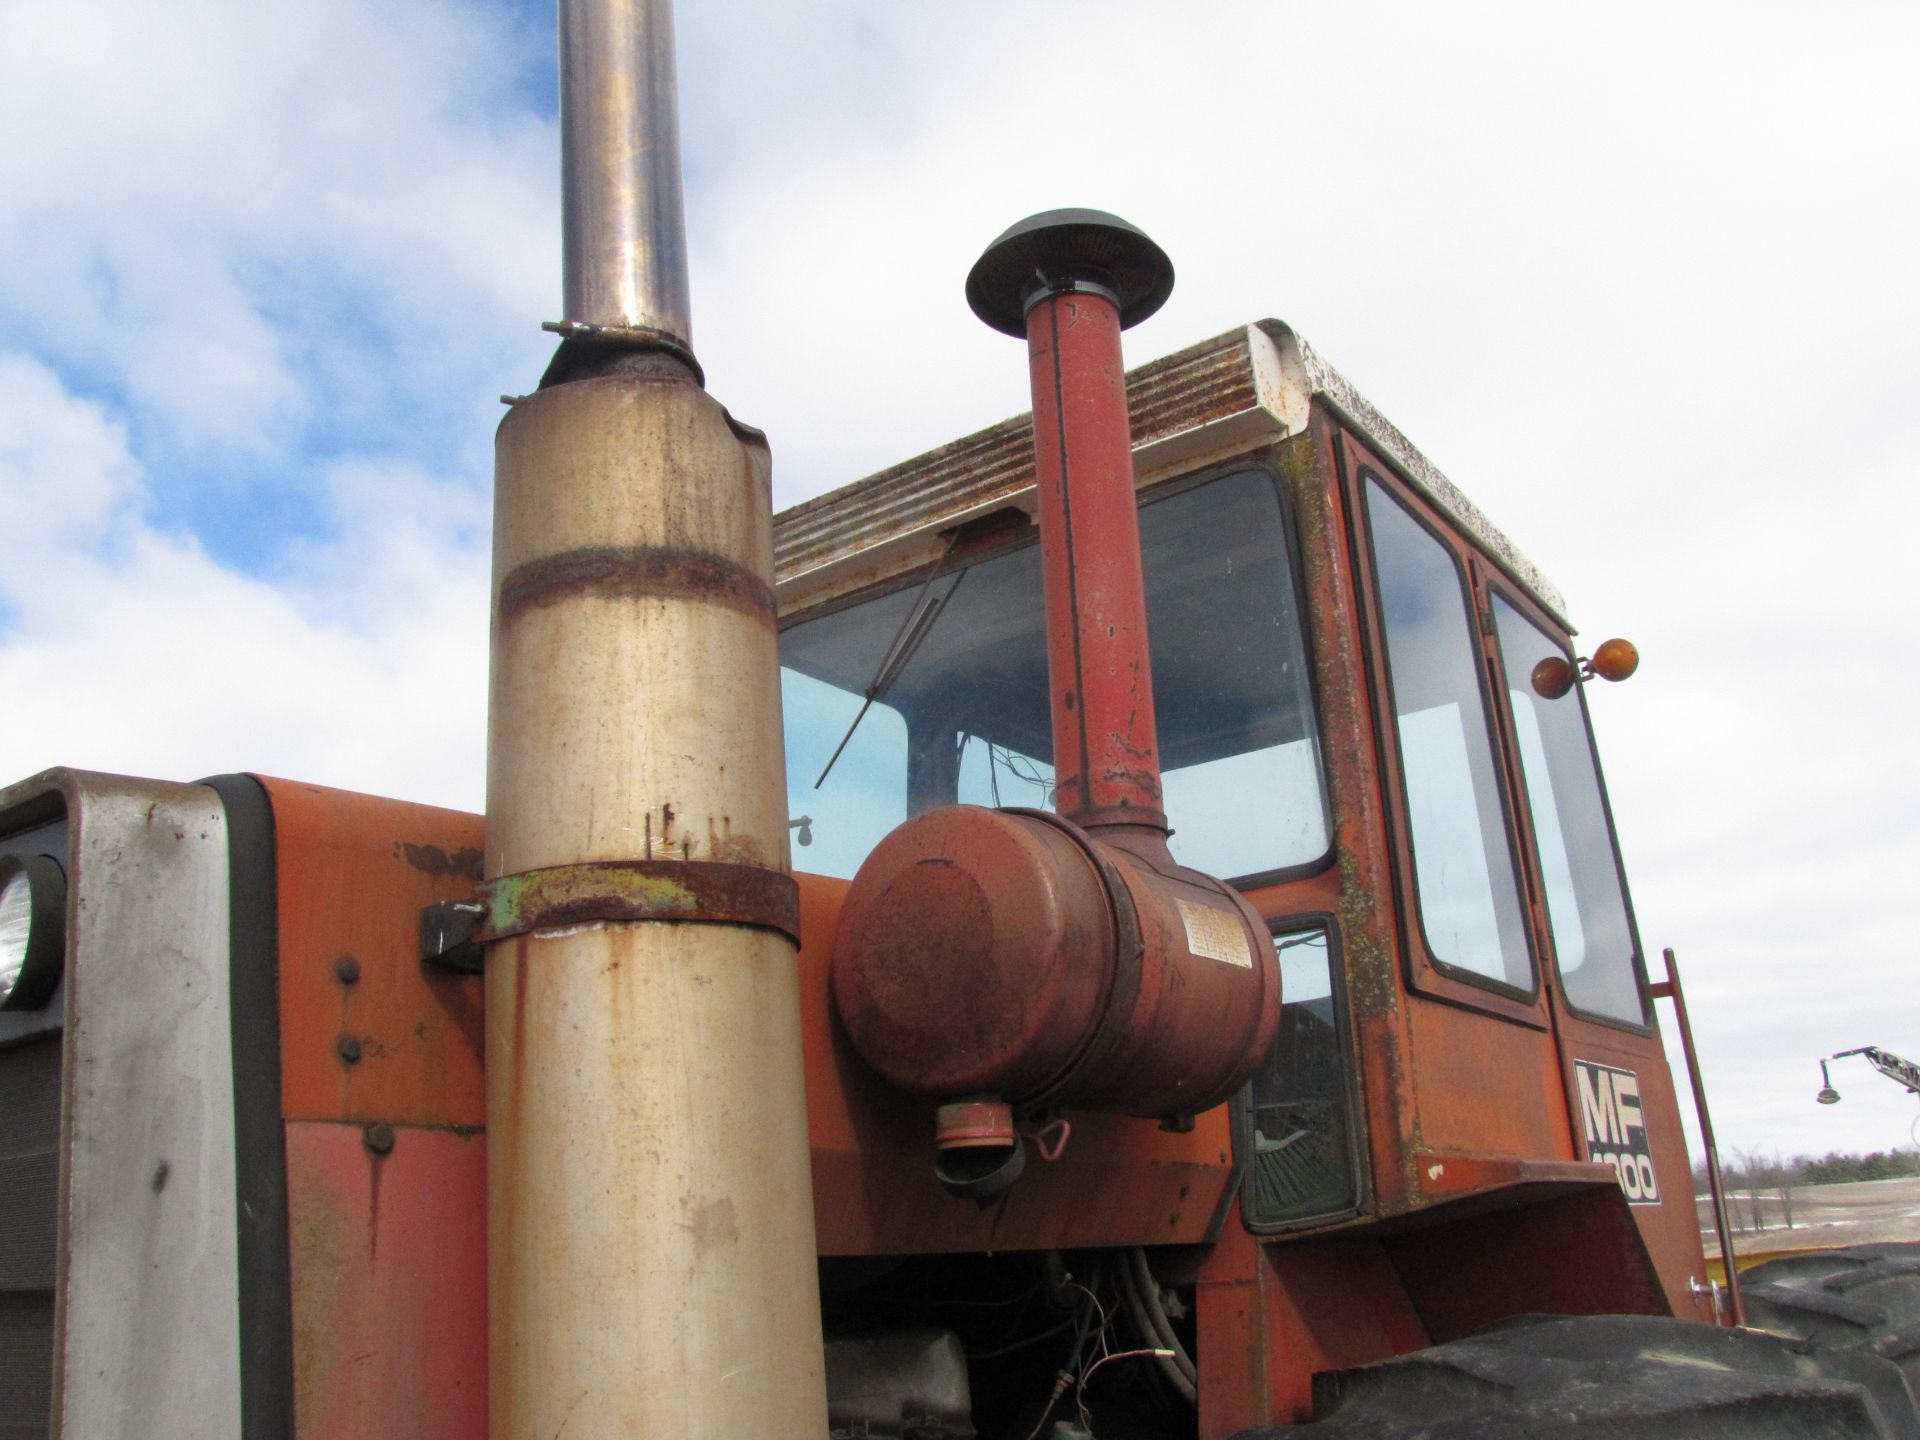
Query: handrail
<point x="1670" y="990"/>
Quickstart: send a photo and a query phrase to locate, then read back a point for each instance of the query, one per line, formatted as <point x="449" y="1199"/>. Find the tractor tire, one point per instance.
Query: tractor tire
<point x="1613" y="1377"/>
<point x="1866" y="1297"/>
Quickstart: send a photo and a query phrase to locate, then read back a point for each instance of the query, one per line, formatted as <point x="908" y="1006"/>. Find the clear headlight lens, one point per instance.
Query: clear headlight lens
<point x="33" y="904"/>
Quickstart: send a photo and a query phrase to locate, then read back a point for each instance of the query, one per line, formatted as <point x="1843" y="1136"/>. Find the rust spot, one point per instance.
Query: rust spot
<point x="519" y="1018"/>
<point x="432" y="860"/>
<point x="633" y="572"/>
<point x="620" y="890"/>
<point x="714" y="1224"/>
<point x="728" y="848"/>
<point x="373" y="1204"/>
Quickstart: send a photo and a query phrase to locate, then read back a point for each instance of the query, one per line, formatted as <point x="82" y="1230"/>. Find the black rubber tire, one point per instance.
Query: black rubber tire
<point x="1867" y="1297"/>
<point x="1613" y="1377"/>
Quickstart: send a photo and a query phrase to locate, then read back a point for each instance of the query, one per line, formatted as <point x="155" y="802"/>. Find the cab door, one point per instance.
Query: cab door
<point x="1620" y="1093"/>
<point x="1480" y="1060"/>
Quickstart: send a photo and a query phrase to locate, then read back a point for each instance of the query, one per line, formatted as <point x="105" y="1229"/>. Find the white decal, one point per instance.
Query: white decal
<point x="1616" y="1128"/>
<point x="1216" y="934"/>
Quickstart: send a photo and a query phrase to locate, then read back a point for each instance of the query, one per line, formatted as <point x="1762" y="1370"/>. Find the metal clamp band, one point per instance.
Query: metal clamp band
<point x="600" y="890"/>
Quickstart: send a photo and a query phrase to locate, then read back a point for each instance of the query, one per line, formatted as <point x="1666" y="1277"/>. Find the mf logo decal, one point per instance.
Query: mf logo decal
<point x="1616" y="1130"/>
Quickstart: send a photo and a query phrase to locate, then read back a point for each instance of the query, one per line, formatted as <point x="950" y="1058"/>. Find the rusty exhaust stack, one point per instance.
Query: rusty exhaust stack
<point x="1013" y="963"/>
<point x="651" y="1264"/>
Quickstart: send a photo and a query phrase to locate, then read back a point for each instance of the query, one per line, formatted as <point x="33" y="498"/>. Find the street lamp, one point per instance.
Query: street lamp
<point x="1901" y="1072"/>
<point x="1828" y="1095"/>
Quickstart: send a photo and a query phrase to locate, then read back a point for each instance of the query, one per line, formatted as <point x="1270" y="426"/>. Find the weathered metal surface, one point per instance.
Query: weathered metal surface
<point x="1105" y="745"/>
<point x="1226" y="396"/>
<point x="1009" y="953"/>
<point x="976" y="954"/>
<point x="651" y="1258"/>
<point x="1447" y="1176"/>
<point x="1120" y="1181"/>
<point x="655" y="698"/>
<point x="354" y="873"/>
<point x="1670" y="1228"/>
<point x="1269" y="1316"/>
<point x="388" y="1234"/>
<point x="629" y="1067"/>
<point x="1565" y="1249"/>
<point x="603" y="890"/>
<point x="1671" y="989"/>
<point x="1325" y="383"/>
<point x="1185" y="409"/>
<point x="635" y="572"/>
<point x="1356" y="889"/>
<point x="148" y="1226"/>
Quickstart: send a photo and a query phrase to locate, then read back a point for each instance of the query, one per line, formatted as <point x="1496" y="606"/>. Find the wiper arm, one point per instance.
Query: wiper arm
<point x="914" y="627"/>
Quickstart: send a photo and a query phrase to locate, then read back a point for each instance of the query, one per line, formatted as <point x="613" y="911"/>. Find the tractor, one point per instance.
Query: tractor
<point x="1184" y="985"/>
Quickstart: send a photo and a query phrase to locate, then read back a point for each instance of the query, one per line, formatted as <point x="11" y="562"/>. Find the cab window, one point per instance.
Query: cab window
<point x="1593" y="939"/>
<point x="957" y="671"/>
<point x="1465" y="881"/>
<point x="1298" y="1141"/>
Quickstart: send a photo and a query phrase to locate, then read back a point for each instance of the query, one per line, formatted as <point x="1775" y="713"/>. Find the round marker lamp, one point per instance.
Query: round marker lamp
<point x="1552" y="677"/>
<point x="33" y="913"/>
<point x="1615" y="659"/>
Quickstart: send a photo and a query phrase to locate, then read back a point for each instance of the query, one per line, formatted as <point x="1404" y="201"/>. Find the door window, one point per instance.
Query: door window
<point x="1469" y="899"/>
<point x="1593" y="939"/>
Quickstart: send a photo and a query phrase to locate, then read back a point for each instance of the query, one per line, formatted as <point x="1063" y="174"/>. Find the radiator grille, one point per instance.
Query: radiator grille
<point x="29" y="1201"/>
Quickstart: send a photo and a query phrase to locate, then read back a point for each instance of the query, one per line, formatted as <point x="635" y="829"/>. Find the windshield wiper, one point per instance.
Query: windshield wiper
<point x="914" y="627"/>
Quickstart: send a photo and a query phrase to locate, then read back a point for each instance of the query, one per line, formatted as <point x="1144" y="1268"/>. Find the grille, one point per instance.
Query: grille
<point x="30" y="1046"/>
<point x="29" y="1199"/>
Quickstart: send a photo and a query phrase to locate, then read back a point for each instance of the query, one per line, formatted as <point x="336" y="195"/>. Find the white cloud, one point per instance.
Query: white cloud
<point x="130" y="650"/>
<point x="214" y="206"/>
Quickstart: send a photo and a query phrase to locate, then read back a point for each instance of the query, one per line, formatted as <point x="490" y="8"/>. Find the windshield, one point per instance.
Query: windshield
<point x="965" y="717"/>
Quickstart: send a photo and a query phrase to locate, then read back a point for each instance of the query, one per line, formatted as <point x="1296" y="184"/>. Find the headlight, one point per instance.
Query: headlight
<point x="33" y="915"/>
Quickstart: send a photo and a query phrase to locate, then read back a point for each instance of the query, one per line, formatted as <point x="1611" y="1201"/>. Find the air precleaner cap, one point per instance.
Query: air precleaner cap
<point x="1056" y="249"/>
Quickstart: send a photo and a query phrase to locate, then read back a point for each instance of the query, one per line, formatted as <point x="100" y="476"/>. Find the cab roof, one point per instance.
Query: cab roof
<point x="1241" y="390"/>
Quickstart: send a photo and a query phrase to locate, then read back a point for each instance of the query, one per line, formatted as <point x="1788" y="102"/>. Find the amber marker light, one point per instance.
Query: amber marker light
<point x="1552" y="677"/>
<point x="1614" y="660"/>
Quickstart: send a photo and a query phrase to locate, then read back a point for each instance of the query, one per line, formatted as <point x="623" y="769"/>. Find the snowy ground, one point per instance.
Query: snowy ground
<point x="1824" y="1216"/>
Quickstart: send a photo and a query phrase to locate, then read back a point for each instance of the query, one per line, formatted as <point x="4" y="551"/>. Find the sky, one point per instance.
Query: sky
<point x="1639" y="278"/>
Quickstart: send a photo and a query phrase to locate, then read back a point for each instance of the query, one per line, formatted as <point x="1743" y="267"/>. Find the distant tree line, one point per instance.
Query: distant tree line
<point x="1838" y="1169"/>
<point x="1760" y="1188"/>
<point x="1745" y="1169"/>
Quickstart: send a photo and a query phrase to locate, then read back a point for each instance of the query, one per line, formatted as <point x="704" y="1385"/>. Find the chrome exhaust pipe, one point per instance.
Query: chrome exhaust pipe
<point x="623" y="227"/>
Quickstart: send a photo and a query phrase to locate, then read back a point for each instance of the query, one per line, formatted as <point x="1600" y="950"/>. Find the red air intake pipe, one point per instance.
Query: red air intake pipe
<point x="1059" y="279"/>
<point x="1003" y="960"/>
